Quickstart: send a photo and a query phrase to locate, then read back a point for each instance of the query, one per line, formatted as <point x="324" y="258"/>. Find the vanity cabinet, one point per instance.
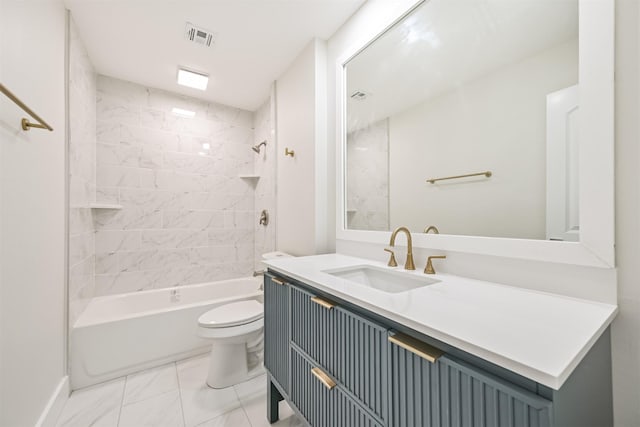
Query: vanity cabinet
<point x="340" y="365"/>
<point x="449" y="392"/>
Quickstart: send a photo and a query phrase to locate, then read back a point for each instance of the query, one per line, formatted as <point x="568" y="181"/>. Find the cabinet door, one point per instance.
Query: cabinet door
<point x="448" y="392"/>
<point x="351" y="348"/>
<point x="276" y="329"/>
<point x="320" y="400"/>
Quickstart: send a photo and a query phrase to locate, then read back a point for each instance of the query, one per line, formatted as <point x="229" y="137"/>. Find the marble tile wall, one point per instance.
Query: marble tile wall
<point x="265" y="167"/>
<point x="82" y="175"/>
<point x="368" y="177"/>
<point x="187" y="216"/>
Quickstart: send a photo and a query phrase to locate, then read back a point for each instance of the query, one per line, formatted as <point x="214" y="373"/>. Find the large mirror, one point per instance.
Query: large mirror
<point x="487" y="88"/>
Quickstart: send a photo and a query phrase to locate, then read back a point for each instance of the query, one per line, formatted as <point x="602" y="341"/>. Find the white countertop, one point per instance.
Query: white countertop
<point x="538" y="335"/>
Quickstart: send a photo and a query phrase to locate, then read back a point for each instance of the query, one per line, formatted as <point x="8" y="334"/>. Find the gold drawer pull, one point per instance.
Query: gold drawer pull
<point x="323" y="302"/>
<point x="277" y="281"/>
<point x="416" y="347"/>
<point x="324" y="378"/>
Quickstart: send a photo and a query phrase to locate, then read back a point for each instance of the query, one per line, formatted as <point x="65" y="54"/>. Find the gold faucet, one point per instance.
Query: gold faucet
<point x="392" y="261"/>
<point x="429" y="268"/>
<point x="431" y="228"/>
<point x="408" y="265"/>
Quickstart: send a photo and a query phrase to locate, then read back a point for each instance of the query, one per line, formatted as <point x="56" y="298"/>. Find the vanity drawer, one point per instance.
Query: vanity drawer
<point x="320" y="400"/>
<point x="349" y="347"/>
<point x="449" y="392"/>
<point x="312" y="327"/>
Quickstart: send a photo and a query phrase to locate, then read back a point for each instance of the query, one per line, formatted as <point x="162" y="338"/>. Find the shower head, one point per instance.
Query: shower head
<point x="256" y="148"/>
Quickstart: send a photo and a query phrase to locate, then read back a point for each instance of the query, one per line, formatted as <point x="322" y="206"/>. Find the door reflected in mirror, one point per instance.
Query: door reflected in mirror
<point x="461" y="87"/>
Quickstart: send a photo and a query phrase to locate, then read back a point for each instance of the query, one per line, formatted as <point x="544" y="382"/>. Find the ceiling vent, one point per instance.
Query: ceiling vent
<point x="358" y="96"/>
<point x="199" y="35"/>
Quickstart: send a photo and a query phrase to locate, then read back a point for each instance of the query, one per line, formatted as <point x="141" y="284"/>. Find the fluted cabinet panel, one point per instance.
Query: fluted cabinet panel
<point x="323" y="407"/>
<point x="451" y="393"/>
<point x="352" y="348"/>
<point x="312" y="328"/>
<point x="276" y="330"/>
<point x="360" y="361"/>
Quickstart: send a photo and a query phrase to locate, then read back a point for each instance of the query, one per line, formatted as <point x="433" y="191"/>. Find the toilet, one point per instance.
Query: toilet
<point x="233" y="328"/>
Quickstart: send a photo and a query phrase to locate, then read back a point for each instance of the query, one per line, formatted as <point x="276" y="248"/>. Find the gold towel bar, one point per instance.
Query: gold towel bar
<point x="26" y="124"/>
<point x="416" y="347"/>
<point x="324" y="378"/>
<point x="486" y="173"/>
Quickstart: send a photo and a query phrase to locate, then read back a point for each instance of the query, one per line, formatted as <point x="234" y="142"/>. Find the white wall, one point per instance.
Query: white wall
<point x="302" y="180"/>
<point x="32" y="211"/>
<point x="496" y="122"/>
<point x="626" y="327"/>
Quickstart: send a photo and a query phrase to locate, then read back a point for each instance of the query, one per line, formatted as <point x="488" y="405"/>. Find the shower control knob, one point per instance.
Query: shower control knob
<point x="264" y="217"/>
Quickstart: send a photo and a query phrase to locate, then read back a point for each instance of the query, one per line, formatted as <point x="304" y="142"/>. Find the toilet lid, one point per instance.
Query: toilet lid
<point x="233" y="314"/>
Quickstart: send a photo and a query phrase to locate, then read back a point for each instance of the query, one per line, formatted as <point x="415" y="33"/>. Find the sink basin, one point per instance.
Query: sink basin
<point x="382" y="279"/>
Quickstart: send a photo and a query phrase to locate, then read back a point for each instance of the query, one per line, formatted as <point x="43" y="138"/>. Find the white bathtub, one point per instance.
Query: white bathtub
<point x="121" y="334"/>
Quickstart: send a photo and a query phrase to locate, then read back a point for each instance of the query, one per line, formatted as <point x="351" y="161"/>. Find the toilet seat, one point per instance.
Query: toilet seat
<point x="233" y="314"/>
<point x="232" y="333"/>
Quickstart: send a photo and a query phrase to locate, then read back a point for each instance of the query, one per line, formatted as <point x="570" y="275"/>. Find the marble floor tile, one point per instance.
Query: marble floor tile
<point x="192" y="373"/>
<point x="164" y="410"/>
<point x="253" y="397"/>
<point x="235" y="418"/>
<point x="150" y="383"/>
<point x="97" y="406"/>
<point x="174" y="395"/>
<point x="254" y="387"/>
<point x="205" y="403"/>
<point x="200" y="402"/>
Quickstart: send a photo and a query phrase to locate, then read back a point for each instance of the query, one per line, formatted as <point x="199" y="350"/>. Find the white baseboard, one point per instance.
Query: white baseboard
<point x="54" y="407"/>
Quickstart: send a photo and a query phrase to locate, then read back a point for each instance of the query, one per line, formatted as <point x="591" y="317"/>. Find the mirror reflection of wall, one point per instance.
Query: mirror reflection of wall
<point x="462" y="87"/>
<point x="368" y="177"/>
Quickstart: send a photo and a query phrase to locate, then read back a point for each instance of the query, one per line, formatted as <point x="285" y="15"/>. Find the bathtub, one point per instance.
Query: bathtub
<point x="120" y="334"/>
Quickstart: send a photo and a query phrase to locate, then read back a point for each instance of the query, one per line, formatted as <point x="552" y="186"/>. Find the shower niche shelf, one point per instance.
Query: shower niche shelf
<point x="249" y="176"/>
<point x="99" y="205"/>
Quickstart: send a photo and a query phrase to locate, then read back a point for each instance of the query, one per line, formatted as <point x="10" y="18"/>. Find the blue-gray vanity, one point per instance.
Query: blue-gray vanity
<point x="339" y="364"/>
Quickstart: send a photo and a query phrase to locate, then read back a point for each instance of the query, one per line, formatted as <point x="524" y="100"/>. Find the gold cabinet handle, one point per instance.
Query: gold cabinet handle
<point x="277" y="281"/>
<point x="324" y="378"/>
<point x="323" y="302"/>
<point x="288" y="152"/>
<point x="416" y="347"/>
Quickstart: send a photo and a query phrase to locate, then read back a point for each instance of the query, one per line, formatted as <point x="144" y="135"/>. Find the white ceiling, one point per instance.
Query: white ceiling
<point x="446" y="43"/>
<point x="143" y="41"/>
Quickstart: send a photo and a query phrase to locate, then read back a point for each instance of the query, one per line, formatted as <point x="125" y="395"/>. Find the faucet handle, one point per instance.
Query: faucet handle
<point x="429" y="268"/>
<point x="392" y="261"/>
